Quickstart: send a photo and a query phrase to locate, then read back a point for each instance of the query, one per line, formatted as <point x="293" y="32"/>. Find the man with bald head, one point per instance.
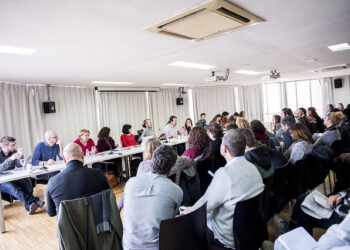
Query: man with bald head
<point x="46" y="152"/>
<point x="74" y="182"/>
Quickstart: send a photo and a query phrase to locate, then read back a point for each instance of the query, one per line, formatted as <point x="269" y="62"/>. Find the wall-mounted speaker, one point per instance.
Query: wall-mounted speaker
<point x="49" y="107"/>
<point x="179" y="101"/>
<point x="338" y="83"/>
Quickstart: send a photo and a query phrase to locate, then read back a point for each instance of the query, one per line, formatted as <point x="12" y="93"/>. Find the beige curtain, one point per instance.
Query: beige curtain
<point x="163" y="105"/>
<point x="75" y="110"/>
<point x="252" y="101"/>
<point x="327" y="93"/>
<point x="119" y="108"/>
<point x="213" y="101"/>
<point x="20" y="114"/>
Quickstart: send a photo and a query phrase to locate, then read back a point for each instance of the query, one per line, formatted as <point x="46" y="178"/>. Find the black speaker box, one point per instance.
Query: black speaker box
<point x="338" y="83"/>
<point x="49" y="107"/>
<point x="179" y="101"/>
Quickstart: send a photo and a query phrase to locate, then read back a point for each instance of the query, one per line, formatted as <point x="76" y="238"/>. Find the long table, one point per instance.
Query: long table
<point x="124" y="153"/>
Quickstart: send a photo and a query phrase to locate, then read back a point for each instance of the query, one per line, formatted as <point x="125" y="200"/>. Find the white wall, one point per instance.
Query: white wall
<point x="342" y="94"/>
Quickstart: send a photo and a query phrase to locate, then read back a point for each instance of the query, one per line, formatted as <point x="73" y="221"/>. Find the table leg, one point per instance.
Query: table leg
<point x="2" y="219"/>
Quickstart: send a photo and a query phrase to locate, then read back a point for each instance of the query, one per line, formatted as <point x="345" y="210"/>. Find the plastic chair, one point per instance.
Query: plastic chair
<point x="187" y="232"/>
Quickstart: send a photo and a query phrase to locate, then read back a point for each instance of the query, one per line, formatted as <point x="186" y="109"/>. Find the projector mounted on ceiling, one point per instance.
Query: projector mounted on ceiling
<point x="274" y="74"/>
<point x="218" y="76"/>
<point x="210" y="19"/>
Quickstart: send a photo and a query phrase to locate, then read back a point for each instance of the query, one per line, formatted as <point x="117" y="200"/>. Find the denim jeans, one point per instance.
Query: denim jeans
<point x="20" y="189"/>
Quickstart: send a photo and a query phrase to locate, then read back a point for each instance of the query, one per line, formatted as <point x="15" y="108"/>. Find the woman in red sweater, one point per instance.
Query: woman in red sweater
<point x="127" y="138"/>
<point x="85" y="142"/>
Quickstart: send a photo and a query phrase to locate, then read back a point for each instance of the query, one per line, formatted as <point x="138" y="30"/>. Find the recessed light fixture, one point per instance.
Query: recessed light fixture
<point x="191" y="65"/>
<point x="339" y="47"/>
<point x="250" y="72"/>
<point x="173" y="84"/>
<point x="111" y="83"/>
<point x="16" y="50"/>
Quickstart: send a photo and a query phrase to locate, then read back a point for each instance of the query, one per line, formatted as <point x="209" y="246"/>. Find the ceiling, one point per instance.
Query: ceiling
<point x="84" y="40"/>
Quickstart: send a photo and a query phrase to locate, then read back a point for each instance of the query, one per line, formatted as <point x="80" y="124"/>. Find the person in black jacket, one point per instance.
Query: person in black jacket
<point x="319" y="121"/>
<point x="215" y="133"/>
<point x="75" y="181"/>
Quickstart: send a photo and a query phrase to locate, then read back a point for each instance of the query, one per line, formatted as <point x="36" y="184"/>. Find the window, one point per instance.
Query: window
<point x="303" y="94"/>
<point x="291" y="94"/>
<point x="272" y="100"/>
<point x="316" y="95"/>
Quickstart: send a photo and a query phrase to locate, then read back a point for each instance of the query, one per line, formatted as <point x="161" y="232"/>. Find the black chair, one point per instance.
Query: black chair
<point x="267" y="206"/>
<point x="203" y="166"/>
<point x="279" y="189"/>
<point x="338" y="147"/>
<point x="187" y="232"/>
<point x="249" y="227"/>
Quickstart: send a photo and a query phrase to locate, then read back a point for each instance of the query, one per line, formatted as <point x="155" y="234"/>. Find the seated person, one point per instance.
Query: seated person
<point x="286" y="139"/>
<point x="106" y="143"/>
<point x="224" y="119"/>
<point x="260" y="133"/>
<point x="20" y="189"/>
<point x="340" y="202"/>
<point x="216" y="133"/>
<point x="202" y="122"/>
<point x="85" y="142"/>
<point x="149" y="199"/>
<point x="239" y="180"/>
<point x="198" y="141"/>
<point x="276" y="123"/>
<point x="259" y="156"/>
<point x="170" y="128"/>
<point x="46" y="153"/>
<point x="148" y="131"/>
<point x="217" y="120"/>
<point x="87" y="145"/>
<point x="186" y="129"/>
<point x="302" y="143"/>
<point x="332" y="133"/>
<point x="75" y="181"/>
<point x="300" y="117"/>
<point x="146" y="165"/>
<point x="243" y="123"/>
<point x="231" y="126"/>
<point x="127" y="138"/>
<point x="284" y="112"/>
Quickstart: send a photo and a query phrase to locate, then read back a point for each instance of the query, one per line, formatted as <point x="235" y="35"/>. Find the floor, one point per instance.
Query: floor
<point x="38" y="231"/>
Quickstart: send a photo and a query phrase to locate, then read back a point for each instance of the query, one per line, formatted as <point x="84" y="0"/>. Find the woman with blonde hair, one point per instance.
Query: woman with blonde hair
<point x="302" y="143"/>
<point x="85" y="142"/>
<point x="145" y="166"/>
<point x="243" y="123"/>
<point x="332" y="133"/>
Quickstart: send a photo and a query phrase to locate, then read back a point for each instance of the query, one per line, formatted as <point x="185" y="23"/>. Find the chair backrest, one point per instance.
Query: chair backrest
<point x="249" y="228"/>
<point x="187" y="232"/>
<point x="279" y="188"/>
<point x="338" y="147"/>
<point x="205" y="179"/>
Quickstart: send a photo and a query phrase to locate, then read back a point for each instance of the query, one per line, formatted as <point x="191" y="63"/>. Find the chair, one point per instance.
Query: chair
<point x="249" y="227"/>
<point x="187" y="232"/>
<point x="279" y="189"/>
<point x="203" y="166"/>
<point x="338" y="147"/>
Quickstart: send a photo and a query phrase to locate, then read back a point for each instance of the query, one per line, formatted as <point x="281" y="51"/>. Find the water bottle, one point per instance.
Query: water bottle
<point x="87" y="153"/>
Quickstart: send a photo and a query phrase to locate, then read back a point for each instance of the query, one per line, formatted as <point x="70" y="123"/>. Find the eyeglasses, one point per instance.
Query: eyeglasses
<point x="54" y="137"/>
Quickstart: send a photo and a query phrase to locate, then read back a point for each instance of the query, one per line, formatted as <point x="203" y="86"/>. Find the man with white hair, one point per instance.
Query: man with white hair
<point x="74" y="182"/>
<point x="46" y="152"/>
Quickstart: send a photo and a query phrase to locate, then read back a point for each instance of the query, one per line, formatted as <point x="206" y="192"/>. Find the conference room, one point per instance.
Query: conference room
<point x="174" y="124"/>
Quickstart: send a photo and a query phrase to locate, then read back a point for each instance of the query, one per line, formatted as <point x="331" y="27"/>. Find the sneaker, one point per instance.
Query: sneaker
<point x="40" y="204"/>
<point x="280" y="225"/>
<point x="32" y="209"/>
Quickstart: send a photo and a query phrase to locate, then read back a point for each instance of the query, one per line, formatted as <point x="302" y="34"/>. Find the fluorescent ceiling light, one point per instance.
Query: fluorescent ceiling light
<point x="16" y="50"/>
<point x="191" y="65"/>
<point x="339" y="47"/>
<point x="111" y="83"/>
<point x="250" y="72"/>
<point x="172" y="84"/>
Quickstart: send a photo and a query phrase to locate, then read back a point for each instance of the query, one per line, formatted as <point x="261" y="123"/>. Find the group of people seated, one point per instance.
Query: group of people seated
<point x="243" y="154"/>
